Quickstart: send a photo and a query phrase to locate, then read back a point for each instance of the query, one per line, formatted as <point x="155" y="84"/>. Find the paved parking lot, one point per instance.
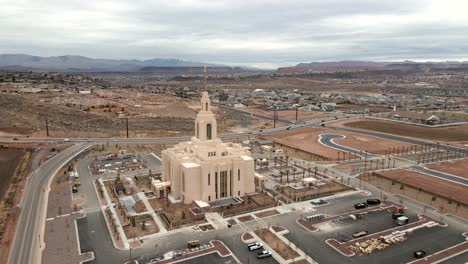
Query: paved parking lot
<point x="313" y="243"/>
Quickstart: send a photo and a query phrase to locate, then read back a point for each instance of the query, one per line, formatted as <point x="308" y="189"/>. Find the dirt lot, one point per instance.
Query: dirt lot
<point x="459" y="167"/>
<point x="452" y="133"/>
<point x="307" y="140"/>
<point x="9" y="159"/>
<point x="100" y="114"/>
<point x="428" y="183"/>
<point x="276" y="244"/>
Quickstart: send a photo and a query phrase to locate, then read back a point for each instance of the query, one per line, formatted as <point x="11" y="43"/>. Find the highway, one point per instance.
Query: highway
<point x="28" y="243"/>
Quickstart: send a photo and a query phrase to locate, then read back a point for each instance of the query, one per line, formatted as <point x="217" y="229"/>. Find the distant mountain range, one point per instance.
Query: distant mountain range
<point x="71" y="63"/>
<point x="370" y="65"/>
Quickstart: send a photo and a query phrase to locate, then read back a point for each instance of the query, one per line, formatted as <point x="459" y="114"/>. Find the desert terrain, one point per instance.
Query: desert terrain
<point x="102" y="114"/>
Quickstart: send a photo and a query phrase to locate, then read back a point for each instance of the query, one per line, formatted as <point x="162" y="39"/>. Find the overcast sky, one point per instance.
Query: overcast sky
<point x="257" y="33"/>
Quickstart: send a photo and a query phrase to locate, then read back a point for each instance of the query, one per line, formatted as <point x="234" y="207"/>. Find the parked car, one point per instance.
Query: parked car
<point x="74" y="189"/>
<point x="254" y="246"/>
<point x="360" y="234"/>
<point x="396" y="215"/>
<point x="15" y="138"/>
<point x="419" y="254"/>
<point x="264" y="254"/>
<point x="402" y="220"/>
<point x="66" y="140"/>
<point x="193" y="244"/>
<point x="373" y="201"/>
<point x="360" y="205"/>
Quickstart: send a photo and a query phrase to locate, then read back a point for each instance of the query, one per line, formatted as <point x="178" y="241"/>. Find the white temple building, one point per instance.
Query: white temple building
<point x="205" y="168"/>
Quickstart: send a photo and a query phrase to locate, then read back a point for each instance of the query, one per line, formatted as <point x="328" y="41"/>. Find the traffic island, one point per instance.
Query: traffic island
<point x="278" y="245"/>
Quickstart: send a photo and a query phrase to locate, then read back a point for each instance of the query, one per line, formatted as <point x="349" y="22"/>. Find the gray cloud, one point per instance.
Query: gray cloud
<point x="265" y="33"/>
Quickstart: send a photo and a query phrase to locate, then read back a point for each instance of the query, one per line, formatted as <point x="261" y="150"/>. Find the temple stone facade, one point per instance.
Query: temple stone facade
<point x="205" y="168"/>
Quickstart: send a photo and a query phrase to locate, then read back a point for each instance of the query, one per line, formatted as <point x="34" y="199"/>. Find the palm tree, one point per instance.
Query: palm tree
<point x="294" y="173"/>
<point x="281" y="176"/>
<point x="309" y="169"/>
<point x="303" y="173"/>
<point x="287" y="176"/>
<point x="275" y="159"/>
<point x="315" y="173"/>
<point x="287" y="159"/>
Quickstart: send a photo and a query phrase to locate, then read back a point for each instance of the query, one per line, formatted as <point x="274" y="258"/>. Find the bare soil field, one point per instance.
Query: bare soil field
<point x="451" y="133"/>
<point x="9" y="160"/>
<point x="307" y="140"/>
<point x="428" y="183"/>
<point x="102" y="114"/>
<point x="276" y="244"/>
<point x="458" y="167"/>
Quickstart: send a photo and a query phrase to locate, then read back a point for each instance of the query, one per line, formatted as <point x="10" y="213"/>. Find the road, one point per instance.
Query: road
<point x="396" y="138"/>
<point x="328" y="140"/>
<point x="439" y="174"/>
<point x="310" y="123"/>
<point x="27" y="245"/>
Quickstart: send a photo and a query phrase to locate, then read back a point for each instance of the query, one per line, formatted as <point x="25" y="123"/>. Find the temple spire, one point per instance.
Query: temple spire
<point x="204" y="76"/>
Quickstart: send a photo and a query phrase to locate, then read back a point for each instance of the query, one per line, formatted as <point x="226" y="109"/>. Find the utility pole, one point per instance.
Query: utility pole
<point x="47" y="126"/>
<point x="126" y="124"/>
<point x="275" y="117"/>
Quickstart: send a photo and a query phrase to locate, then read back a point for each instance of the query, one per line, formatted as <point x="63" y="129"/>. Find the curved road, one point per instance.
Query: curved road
<point x="328" y="140"/>
<point x="396" y="138"/>
<point x="27" y="245"/>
